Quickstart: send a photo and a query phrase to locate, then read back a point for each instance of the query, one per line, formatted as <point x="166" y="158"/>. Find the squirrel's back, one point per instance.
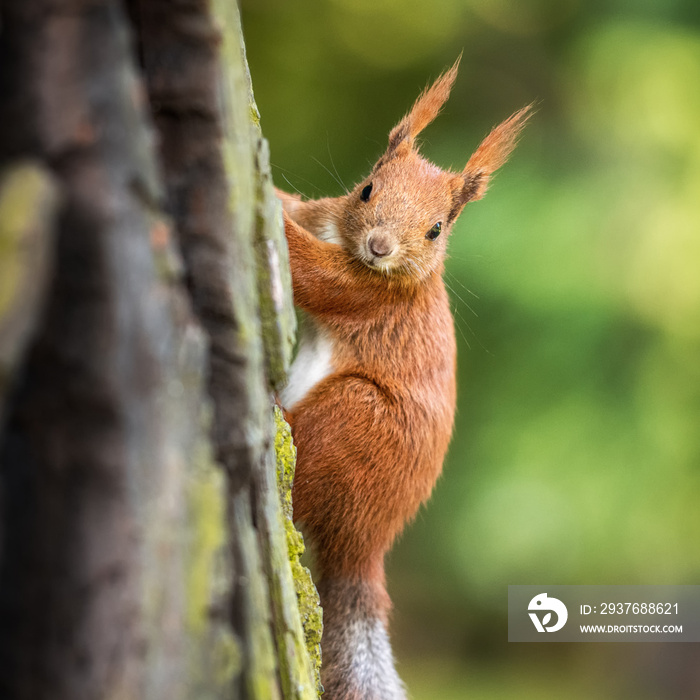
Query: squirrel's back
<point x="375" y="427"/>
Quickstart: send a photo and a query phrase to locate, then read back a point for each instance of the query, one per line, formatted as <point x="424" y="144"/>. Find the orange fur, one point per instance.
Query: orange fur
<point x="372" y="431"/>
<point x="494" y="151"/>
<point x="371" y="437"/>
<point x="425" y="108"/>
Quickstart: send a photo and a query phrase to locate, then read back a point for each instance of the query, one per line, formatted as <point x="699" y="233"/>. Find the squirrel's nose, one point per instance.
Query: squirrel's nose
<point x="380" y="246"/>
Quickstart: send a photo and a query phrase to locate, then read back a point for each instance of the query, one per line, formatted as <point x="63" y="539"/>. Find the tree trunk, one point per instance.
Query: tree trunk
<point x="145" y="321"/>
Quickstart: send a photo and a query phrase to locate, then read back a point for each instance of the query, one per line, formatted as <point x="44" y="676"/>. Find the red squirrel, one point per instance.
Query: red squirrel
<point x="371" y="394"/>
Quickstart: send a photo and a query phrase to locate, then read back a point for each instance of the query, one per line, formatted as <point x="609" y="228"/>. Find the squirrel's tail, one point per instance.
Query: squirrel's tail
<point x="357" y="659"/>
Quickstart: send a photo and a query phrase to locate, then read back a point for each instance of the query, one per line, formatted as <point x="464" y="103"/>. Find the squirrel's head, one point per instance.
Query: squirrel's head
<point x="397" y="220"/>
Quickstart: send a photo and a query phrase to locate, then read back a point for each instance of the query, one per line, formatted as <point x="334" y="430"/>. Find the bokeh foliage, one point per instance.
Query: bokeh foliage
<point x="576" y="287"/>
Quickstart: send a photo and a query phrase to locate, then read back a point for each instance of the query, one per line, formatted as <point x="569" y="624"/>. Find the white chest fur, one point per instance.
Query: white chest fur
<point x="329" y="232"/>
<point x="314" y="362"/>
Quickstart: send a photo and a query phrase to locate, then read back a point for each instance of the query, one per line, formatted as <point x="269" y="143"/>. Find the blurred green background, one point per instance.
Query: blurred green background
<point x="576" y="290"/>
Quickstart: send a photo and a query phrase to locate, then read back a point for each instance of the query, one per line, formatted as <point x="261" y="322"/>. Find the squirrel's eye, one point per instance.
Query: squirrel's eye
<point x="366" y="192"/>
<point x="434" y="232"/>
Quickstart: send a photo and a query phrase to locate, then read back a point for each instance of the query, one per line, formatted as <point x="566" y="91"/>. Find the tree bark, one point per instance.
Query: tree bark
<point x="28" y="200"/>
<point x="144" y="549"/>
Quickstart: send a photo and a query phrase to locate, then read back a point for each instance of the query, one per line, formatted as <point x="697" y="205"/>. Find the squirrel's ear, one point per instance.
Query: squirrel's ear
<point x="425" y="109"/>
<point x="492" y="153"/>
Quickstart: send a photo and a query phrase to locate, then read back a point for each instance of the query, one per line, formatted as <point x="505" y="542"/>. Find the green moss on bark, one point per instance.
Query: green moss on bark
<point x="307" y="595"/>
<point x="26" y="195"/>
<point x="28" y="202"/>
<point x="205" y="496"/>
<point x="215" y="655"/>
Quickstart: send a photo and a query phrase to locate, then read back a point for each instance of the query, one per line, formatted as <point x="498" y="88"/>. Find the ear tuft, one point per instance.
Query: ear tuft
<point x="492" y="153"/>
<point x="424" y="110"/>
